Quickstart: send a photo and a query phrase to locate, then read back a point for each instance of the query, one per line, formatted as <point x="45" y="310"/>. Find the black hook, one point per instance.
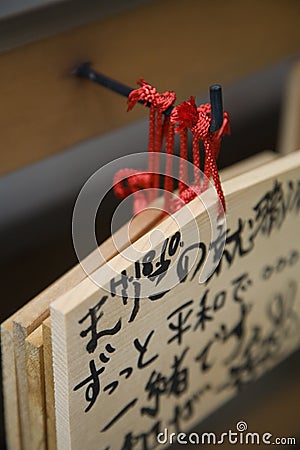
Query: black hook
<point x="216" y="101"/>
<point x="85" y="71"/>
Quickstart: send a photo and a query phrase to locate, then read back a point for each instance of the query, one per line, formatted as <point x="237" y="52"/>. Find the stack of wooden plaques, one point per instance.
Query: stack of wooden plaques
<point x="88" y="367"/>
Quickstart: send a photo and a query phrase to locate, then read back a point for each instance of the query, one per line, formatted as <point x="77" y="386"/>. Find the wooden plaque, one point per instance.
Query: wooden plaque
<point x="130" y="371"/>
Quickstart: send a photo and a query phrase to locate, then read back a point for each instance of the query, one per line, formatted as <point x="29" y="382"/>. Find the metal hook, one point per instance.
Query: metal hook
<point x="85" y="71"/>
<point x="216" y="101"/>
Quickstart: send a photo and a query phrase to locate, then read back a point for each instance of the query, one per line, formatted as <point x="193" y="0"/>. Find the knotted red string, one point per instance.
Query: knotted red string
<point x="185" y="116"/>
<point x="159" y="126"/>
<point x="131" y="181"/>
<point x="198" y="120"/>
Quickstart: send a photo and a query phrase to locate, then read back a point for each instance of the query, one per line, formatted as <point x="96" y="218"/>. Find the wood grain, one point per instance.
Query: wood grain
<point x="36" y="389"/>
<point x="9" y="383"/>
<point x="226" y="174"/>
<point x="36" y="311"/>
<point x="49" y="385"/>
<point x="33" y="314"/>
<point x="75" y="425"/>
<point x="45" y="110"/>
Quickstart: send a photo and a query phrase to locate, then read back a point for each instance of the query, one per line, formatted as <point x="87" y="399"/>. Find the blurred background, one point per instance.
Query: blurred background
<point x="56" y="130"/>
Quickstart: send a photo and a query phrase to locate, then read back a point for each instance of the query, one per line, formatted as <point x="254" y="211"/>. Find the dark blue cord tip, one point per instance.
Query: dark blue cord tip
<point x="216" y="101"/>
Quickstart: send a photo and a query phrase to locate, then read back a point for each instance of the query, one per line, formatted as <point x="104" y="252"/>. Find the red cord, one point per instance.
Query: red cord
<point x="184" y="116"/>
<point x="198" y="120"/>
<point x="168" y="184"/>
<point x="183" y="174"/>
<point x="158" y="127"/>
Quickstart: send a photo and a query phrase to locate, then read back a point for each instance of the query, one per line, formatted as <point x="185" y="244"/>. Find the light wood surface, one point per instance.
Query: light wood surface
<point x="45" y="110"/>
<point x="36" y="311"/>
<point x="33" y="314"/>
<point x="9" y="383"/>
<point x="290" y="123"/>
<point x="49" y="385"/>
<point x="86" y="415"/>
<point x="248" y="164"/>
<point x="36" y="389"/>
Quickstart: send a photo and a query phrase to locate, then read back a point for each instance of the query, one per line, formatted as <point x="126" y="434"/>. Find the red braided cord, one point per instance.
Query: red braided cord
<point x="157" y="148"/>
<point x="128" y="181"/>
<point x="149" y="94"/>
<point x="183" y="176"/>
<point x="224" y="130"/>
<point x="169" y="151"/>
<point x="212" y="169"/>
<point x="159" y="103"/>
<point x="187" y="115"/>
<point x="151" y="150"/>
<point x="200" y="130"/>
<point x="168" y="185"/>
<point x="212" y="144"/>
<point x="190" y="193"/>
<point x="158" y="127"/>
<point x="196" y="160"/>
<point x="151" y="139"/>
